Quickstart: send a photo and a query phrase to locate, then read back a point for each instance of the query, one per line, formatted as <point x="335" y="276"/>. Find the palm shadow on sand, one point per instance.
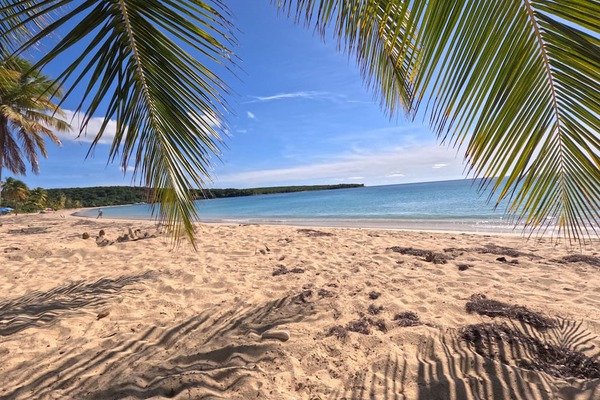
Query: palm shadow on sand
<point x="211" y="354"/>
<point x="36" y="309"/>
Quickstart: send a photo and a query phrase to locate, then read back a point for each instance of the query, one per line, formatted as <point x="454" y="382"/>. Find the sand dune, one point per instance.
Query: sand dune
<point x="139" y="319"/>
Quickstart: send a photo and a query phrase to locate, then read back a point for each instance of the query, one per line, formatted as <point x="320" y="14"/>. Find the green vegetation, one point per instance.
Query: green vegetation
<point x="218" y="193"/>
<point x="27" y="116"/>
<point x="515" y="84"/>
<point x="19" y="197"/>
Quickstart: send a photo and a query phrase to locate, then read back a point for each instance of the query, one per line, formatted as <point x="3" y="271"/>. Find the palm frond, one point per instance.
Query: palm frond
<point x="11" y="156"/>
<point x="378" y="33"/>
<point x="515" y="82"/>
<point x="153" y="63"/>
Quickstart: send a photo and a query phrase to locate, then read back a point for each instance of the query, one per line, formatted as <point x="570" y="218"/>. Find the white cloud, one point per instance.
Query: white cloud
<point x="355" y="178"/>
<point x="91" y="131"/>
<point x="250" y="115"/>
<point x="438" y="166"/>
<point x="130" y="168"/>
<point x="372" y="167"/>
<point x="309" y="95"/>
<point x="76" y="119"/>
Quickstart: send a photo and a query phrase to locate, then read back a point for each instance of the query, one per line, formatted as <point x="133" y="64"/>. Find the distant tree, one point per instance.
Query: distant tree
<point x="27" y="115"/>
<point x="15" y="191"/>
<point x="38" y="198"/>
<point x="58" y="201"/>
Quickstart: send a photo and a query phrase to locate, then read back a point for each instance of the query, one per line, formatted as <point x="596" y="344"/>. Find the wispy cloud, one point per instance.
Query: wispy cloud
<point x="250" y="115"/>
<point x="440" y="165"/>
<point x="130" y="168"/>
<point x="307" y="95"/>
<point x="397" y="165"/>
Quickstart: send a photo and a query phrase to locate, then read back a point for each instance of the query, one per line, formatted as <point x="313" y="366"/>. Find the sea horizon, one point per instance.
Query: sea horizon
<point x="451" y="205"/>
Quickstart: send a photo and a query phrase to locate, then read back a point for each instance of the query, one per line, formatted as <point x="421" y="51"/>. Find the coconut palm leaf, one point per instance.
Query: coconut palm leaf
<point x="153" y="64"/>
<point x="516" y="82"/>
<point x="27" y="116"/>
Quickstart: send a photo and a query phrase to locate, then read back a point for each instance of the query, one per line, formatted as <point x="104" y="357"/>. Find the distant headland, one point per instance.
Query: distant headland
<point x="101" y="196"/>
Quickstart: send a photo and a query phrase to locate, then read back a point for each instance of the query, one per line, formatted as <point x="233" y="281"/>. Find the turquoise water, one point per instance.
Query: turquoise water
<point x="447" y="205"/>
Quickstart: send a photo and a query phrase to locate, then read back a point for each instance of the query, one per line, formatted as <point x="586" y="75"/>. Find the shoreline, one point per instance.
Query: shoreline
<point x="452" y="226"/>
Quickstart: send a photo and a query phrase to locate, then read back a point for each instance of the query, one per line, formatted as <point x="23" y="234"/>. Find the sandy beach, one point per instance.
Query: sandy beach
<point x="280" y="312"/>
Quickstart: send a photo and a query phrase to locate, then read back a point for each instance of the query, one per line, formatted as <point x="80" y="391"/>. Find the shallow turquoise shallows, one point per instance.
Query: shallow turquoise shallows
<point x="448" y="205"/>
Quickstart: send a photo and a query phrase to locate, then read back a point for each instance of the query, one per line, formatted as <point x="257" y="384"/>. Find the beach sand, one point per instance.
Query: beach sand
<point x="139" y="319"/>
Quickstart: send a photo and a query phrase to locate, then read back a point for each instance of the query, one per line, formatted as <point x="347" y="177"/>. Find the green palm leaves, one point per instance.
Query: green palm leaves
<point x="27" y="116"/>
<point x="516" y="82"/>
<point x="138" y="60"/>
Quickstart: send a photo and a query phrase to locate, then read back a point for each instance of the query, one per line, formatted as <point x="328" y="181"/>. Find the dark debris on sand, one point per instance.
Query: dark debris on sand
<point x="374" y="295"/>
<point x="362" y="325"/>
<point x="325" y="293"/>
<point x="338" y="331"/>
<point x="491" y="249"/>
<point x="282" y="270"/>
<point x="464" y="267"/>
<point x="374" y="310"/>
<point x="480" y="304"/>
<point x="314" y="232"/>
<point x="28" y="231"/>
<point x="529" y="352"/>
<point x="407" y="318"/>
<point x="573" y="258"/>
<point x="430" y="256"/>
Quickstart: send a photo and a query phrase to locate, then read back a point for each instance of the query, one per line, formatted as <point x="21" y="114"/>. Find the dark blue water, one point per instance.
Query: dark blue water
<point x="445" y="205"/>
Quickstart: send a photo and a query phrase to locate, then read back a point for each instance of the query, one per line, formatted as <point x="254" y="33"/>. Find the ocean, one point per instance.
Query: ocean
<point x="448" y="206"/>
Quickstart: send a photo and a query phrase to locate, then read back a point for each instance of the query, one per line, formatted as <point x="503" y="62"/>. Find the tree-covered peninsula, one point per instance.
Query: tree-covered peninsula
<point x="100" y="196"/>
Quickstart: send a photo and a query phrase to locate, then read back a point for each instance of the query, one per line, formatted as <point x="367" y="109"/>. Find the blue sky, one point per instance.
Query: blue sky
<point x="300" y="115"/>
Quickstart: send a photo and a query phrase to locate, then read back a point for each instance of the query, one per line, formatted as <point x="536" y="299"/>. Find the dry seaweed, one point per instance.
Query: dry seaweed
<point x="338" y="331"/>
<point x="374" y="310"/>
<point x="464" y="267"/>
<point x="282" y="270"/>
<point x="430" y="256"/>
<point x="325" y="293"/>
<point x="28" y="231"/>
<point x="490" y="249"/>
<point x="437" y="258"/>
<point x="374" y="295"/>
<point x="573" y="258"/>
<point x="480" y="304"/>
<point x="314" y="232"/>
<point x="380" y="325"/>
<point x="557" y="361"/>
<point x="361" y="325"/>
<point x="500" y="250"/>
<point x="410" y="251"/>
<point x="407" y="318"/>
<point x="305" y="295"/>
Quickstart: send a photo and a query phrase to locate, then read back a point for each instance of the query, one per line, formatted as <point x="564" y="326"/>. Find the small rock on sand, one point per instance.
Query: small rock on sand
<point x="282" y="335"/>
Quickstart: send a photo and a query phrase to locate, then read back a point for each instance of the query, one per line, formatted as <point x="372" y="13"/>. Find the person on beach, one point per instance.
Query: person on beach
<point x="99" y="213"/>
